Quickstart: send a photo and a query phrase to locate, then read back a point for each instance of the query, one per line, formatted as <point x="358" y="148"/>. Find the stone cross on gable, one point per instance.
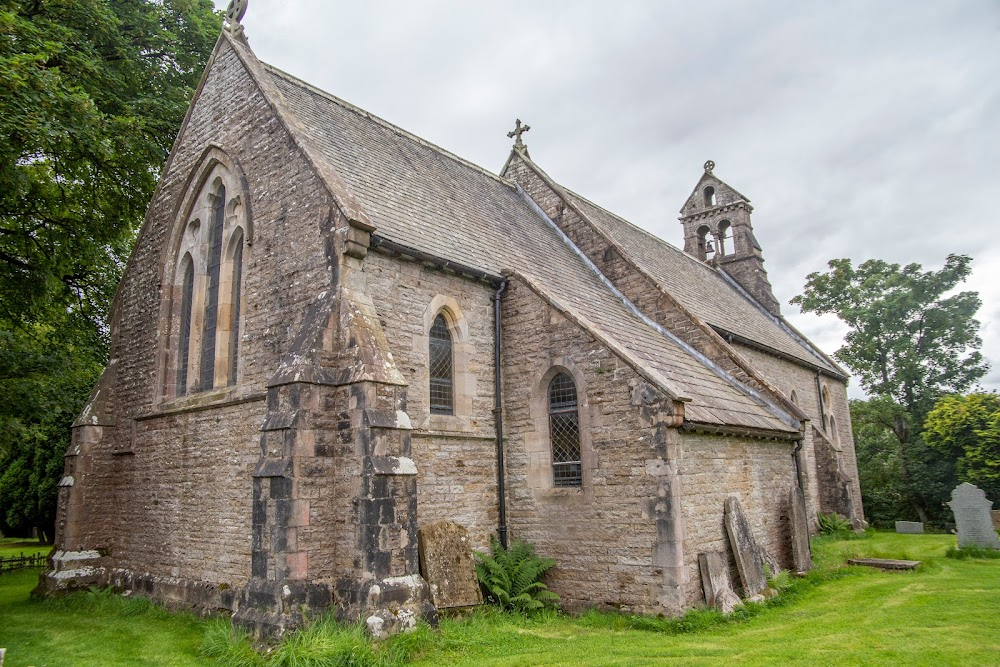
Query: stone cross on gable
<point x="235" y="12"/>
<point x="517" y="132"/>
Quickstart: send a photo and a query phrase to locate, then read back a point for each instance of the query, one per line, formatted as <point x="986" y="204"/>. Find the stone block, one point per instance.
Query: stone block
<point x="910" y="527"/>
<point x="715" y="581"/>
<point x="972" y="517"/>
<point x="446" y="564"/>
<point x="799" y="528"/>
<point x="750" y="558"/>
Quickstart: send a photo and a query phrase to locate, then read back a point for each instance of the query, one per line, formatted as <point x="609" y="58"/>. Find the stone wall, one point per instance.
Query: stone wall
<point x="455" y="455"/>
<point x="823" y="461"/>
<point x="169" y="490"/>
<point x="712" y="468"/>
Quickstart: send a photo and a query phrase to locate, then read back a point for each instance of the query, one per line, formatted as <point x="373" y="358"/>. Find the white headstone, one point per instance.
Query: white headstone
<point x="909" y="527"/>
<point x="972" y="517"/>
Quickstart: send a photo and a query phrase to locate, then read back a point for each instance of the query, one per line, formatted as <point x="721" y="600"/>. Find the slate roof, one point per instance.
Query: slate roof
<point x="420" y="196"/>
<point x="701" y="288"/>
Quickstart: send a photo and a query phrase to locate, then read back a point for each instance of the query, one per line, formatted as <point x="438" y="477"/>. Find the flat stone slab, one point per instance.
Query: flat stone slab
<point x="447" y="565"/>
<point x="886" y="563"/>
<point x="910" y="527"/>
<point x="750" y="558"/>
<point x="716" y="582"/>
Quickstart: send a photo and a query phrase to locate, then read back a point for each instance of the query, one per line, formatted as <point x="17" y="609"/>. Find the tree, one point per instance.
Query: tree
<point x="92" y="93"/>
<point x="967" y="428"/>
<point x="908" y="343"/>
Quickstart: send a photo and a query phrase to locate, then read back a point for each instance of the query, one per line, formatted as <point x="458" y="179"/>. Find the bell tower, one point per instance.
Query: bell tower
<point x="717" y="230"/>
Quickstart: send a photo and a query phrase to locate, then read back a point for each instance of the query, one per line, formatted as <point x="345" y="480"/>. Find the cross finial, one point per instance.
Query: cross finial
<point x="517" y="132"/>
<point x="234" y="14"/>
<point x="709" y="166"/>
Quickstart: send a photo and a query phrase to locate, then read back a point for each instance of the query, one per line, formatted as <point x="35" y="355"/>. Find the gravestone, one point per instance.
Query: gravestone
<point x="446" y="564"/>
<point x="910" y="527"/>
<point x="750" y="558"/>
<point x="3" y="652"/>
<point x="716" y="583"/>
<point x="972" y="517"/>
<point x="799" y="524"/>
<point x="996" y="519"/>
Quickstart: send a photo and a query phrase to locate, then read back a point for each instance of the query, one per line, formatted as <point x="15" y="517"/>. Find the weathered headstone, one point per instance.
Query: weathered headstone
<point x="3" y="652"/>
<point x="749" y="556"/>
<point x="799" y="524"/>
<point x="446" y="564"/>
<point x="972" y="516"/>
<point x="996" y="519"/>
<point x="910" y="527"/>
<point x="716" y="583"/>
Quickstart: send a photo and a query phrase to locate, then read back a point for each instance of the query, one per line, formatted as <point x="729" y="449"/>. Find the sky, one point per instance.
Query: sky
<point x="857" y="129"/>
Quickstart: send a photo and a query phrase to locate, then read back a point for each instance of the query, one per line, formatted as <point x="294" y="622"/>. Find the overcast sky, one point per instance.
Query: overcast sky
<point x="858" y="129"/>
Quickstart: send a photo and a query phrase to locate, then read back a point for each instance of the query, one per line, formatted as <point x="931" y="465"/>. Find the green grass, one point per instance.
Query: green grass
<point x="15" y="546"/>
<point x="945" y="613"/>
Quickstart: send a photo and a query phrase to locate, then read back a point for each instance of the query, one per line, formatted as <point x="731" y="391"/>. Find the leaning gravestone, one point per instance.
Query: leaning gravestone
<point x="716" y="583"/>
<point x="446" y="564"/>
<point x="750" y="558"/>
<point x="910" y="527"/>
<point x="799" y="522"/>
<point x="972" y="517"/>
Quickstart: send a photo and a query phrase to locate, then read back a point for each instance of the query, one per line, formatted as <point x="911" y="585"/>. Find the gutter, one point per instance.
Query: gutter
<point x="392" y="248"/>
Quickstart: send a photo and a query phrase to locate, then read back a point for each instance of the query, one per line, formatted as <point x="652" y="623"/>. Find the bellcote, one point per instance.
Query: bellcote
<point x="718" y="231"/>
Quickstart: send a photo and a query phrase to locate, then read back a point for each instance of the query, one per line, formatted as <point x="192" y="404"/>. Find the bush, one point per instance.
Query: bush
<point x="833" y="524"/>
<point x="511" y="578"/>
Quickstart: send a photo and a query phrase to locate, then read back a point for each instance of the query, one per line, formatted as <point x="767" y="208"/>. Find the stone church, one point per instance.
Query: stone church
<point x="332" y="332"/>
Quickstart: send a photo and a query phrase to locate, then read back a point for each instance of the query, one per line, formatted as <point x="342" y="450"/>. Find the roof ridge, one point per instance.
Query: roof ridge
<point x="384" y="123"/>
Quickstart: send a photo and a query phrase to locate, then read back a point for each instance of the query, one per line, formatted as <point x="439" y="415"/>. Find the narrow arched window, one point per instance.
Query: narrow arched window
<point x="723" y="238"/>
<point x="794" y="397"/>
<point x="441" y="369"/>
<point x="234" y="310"/>
<point x="709" y="196"/>
<point x="184" y="334"/>
<point x="564" y="431"/>
<point x="211" y="318"/>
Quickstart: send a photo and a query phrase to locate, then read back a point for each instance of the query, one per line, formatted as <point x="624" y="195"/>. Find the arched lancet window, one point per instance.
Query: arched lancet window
<point x="709" y="195"/>
<point x="211" y="319"/>
<point x="442" y="382"/>
<point x="724" y="235"/>
<point x="234" y="308"/>
<point x="564" y="431"/>
<point x="794" y="398"/>
<point x="705" y="249"/>
<point x="184" y="336"/>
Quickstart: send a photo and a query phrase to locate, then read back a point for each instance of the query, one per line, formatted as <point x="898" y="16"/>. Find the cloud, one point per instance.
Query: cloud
<point x="858" y="129"/>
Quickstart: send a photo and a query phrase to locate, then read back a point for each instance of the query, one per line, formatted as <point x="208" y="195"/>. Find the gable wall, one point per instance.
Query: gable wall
<point x="455" y="456"/>
<point x="179" y="504"/>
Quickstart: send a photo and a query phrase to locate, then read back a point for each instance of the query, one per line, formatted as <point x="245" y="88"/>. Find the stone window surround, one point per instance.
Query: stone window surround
<point x="189" y="242"/>
<point x="464" y="381"/>
<point x="537" y="442"/>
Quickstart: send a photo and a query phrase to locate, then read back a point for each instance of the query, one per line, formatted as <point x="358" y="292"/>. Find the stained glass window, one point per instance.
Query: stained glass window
<point x="212" y="295"/>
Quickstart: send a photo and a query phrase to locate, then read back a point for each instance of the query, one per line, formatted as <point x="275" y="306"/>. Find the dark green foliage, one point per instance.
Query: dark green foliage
<point x="833" y="523"/>
<point x="967" y="430"/>
<point x="908" y="344"/>
<point x="512" y="578"/>
<point x="92" y="93"/>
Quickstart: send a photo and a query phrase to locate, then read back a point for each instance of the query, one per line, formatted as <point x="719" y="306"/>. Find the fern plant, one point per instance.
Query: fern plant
<point x="833" y="523"/>
<point x="511" y="578"/>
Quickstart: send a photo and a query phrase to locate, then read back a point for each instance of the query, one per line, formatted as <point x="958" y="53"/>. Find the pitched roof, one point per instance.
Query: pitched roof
<point x="705" y="290"/>
<point x="423" y="197"/>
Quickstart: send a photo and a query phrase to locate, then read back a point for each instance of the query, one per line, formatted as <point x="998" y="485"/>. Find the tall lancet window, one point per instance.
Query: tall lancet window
<point x="441" y="369"/>
<point x="564" y="432"/>
<point x="210" y="320"/>
<point x="184" y="338"/>
<point x="234" y="310"/>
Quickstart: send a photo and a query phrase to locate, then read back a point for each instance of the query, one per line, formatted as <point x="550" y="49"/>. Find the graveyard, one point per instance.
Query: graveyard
<point x="943" y="612"/>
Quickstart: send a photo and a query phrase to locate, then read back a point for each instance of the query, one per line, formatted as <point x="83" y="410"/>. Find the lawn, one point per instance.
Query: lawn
<point x="946" y="613"/>
<point x="15" y="546"/>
